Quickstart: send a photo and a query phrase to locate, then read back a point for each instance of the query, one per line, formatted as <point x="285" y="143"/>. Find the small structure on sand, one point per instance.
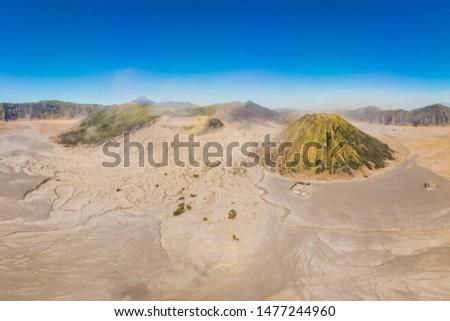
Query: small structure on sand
<point x="301" y="189"/>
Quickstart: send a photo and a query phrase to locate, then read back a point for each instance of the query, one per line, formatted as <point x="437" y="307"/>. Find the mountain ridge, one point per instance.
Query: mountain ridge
<point x="47" y="109"/>
<point x="164" y="104"/>
<point x="142" y="100"/>
<point x="431" y="115"/>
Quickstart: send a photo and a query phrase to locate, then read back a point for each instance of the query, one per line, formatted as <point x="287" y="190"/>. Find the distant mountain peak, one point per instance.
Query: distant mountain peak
<point x="172" y="103"/>
<point x="372" y="107"/>
<point x="142" y="100"/>
<point x="251" y="111"/>
<point x="439" y="105"/>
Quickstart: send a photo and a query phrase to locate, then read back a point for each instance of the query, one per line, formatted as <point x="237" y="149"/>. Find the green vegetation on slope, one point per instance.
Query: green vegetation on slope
<point x="360" y="149"/>
<point x="109" y="123"/>
<point x="202" y="111"/>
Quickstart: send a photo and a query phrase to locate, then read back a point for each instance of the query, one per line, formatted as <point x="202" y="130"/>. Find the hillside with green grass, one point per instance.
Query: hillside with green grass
<point x="109" y="123"/>
<point x="360" y="149"/>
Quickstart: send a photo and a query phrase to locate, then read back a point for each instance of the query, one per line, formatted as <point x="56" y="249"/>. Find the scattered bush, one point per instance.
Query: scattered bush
<point x="232" y="214"/>
<point x="235" y="238"/>
<point x="180" y="210"/>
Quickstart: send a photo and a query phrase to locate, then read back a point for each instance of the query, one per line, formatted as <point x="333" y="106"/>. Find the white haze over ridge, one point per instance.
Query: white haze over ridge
<point x="269" y="89"/>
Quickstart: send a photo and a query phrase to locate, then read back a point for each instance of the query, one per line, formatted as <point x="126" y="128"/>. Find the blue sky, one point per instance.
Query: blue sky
<point x="307" y="54"/>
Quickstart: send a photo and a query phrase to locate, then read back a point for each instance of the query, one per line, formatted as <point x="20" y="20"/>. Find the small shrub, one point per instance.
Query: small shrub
<point x="188" y="207"/>
<point x="235" y="238"/>
<point x="193" y="195"/>
<point x="180" y="210"/>
<point x="232" y="214"/>
<point x="195" y="176"/>
<point x="181" y="198"/>
<point x="205" y="219"/>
